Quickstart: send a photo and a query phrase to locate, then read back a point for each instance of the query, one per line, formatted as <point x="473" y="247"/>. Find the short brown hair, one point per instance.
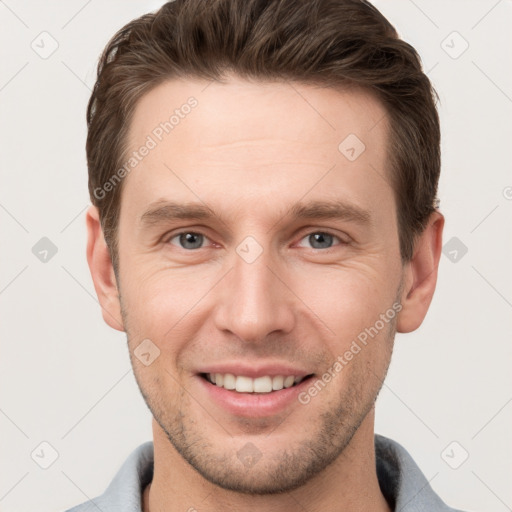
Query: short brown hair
<point x="324" y="42"/>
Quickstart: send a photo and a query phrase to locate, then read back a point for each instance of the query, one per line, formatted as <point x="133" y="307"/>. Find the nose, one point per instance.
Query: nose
<point x="253" y="300"/>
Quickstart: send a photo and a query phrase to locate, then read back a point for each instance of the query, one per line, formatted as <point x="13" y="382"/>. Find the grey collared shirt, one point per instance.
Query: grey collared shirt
<point x="400" y="479"/>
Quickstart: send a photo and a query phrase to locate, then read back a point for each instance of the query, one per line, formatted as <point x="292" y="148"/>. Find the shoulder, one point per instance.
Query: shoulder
<point x="125" y="490"/>
<point x="401" y="480"/>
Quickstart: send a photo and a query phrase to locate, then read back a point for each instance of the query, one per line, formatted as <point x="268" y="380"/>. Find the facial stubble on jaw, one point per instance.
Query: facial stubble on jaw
<point x="276" y="471"/>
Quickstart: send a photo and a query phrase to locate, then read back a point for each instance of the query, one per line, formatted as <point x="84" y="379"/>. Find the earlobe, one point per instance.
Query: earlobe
<point x="102" y="271"/>
<point x="420" y="275"/>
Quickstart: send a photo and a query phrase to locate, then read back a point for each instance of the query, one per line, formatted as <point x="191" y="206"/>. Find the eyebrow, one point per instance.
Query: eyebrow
<point x="334" y="209"/>
<point x="164" y="211"/>
<point x="167" y="211"/>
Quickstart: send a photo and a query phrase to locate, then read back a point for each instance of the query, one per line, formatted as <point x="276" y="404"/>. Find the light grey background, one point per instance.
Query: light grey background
<point x="66" y="377"/>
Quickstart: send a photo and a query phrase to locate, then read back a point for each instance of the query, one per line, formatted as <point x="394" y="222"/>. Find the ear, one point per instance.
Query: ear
<point x="102" y="271"/>
<point x="420" y="275"/>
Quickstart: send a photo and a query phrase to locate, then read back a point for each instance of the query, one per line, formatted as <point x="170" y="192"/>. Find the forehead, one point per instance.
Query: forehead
<point x="237" y="109"/>
<point x="242" y="141"/>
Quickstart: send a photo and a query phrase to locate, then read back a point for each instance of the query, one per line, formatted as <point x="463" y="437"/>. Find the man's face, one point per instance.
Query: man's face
<point x="252" y="288"/>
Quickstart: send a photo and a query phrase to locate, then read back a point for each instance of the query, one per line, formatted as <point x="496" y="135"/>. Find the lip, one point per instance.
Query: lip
<point x="253" y="405"/>
<point x="254" y="371"/>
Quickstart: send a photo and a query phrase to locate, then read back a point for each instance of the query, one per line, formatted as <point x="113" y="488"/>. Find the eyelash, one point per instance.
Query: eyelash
<point x="168" y="239"/>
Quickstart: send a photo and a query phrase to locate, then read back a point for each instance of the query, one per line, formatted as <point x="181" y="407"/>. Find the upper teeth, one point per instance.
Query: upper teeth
<point x="244" y="384"/>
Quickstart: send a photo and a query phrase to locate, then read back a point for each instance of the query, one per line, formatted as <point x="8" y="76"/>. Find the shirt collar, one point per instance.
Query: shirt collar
<point x="401" y="481"/>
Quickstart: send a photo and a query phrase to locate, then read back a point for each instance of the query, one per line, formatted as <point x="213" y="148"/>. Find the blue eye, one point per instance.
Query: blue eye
<point x="189" y="240"/>
<point x="321" y="240"/>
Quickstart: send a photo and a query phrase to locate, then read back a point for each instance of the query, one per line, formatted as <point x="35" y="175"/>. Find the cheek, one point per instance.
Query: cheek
<point x="160" y="386"/>
<point x="350" y="302"/>
<point x="160" y="298"/>
<point x="166" y="306"/>
<point x="345" y="298"/>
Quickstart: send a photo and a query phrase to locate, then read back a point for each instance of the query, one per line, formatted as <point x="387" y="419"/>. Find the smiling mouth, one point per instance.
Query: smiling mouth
<point x="244" y="384"/>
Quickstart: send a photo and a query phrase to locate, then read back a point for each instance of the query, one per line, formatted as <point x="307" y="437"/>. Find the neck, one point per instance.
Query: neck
<point x="350" y="483"/>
